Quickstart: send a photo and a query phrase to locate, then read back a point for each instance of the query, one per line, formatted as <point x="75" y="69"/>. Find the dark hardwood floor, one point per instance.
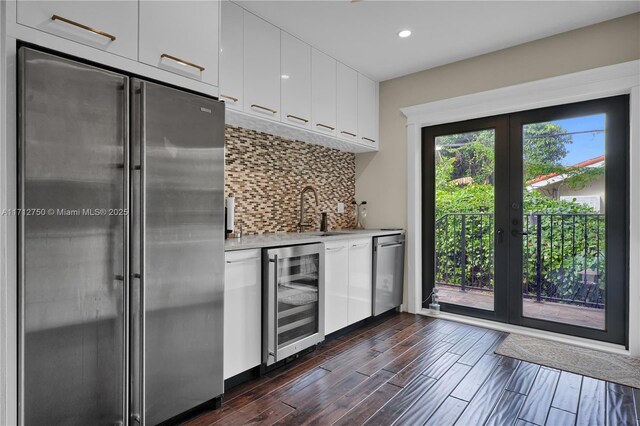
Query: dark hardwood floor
<point x="413" y="370"/>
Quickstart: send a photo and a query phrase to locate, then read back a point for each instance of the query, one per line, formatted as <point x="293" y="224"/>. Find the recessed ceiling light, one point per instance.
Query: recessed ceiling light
<point x="404" y="33"/>
<point x="284" y="76"/>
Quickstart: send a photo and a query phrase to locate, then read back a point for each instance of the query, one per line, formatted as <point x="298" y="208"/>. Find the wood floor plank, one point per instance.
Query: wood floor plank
<point x="447" y="413"/>
<point x="401" y="402"/>
<point x="271" y="415"/>
<point x="496" y="343"/>
<point x="592" y="404"/>
<point x="418" y="366"/>
<point x="441" y="365"/>
<point x="482" y="404"/>
<point x="427" y="404"/>
<point x="211" y="416"/>
<point x="458" y="334"/>
<point x="368" y="408"/>
<point x="389" y="356"/>
<point x="468" y="387"/>
<point x="314" y="398"/>
<point x="408" y="332"/>
<point x="523" y="378"/>
<point x="620" y="406"/>
<point x="333" y="411"/>
<point x="568" y="392"/>
<point x="425" y="347"/>
<point x="506" y="410"/>
<point x="476" y="352"/>
<point x="264" y="401"/>
<point x="468" y="342"/>
<point x="560" y="417"/>
<point x="324" y="388"/>
<point x="538" y="402"/>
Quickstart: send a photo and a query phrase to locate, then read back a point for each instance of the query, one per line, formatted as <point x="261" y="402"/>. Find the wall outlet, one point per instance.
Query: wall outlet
<point x="340" y="207"/>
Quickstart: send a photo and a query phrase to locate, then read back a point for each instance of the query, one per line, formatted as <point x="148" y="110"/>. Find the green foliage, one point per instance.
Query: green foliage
<point x="543" y="145"/>
<point x="564" y="249"/>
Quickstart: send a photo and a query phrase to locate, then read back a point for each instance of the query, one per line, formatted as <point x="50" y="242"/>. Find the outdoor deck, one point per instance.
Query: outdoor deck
<point x="557" y="312"/>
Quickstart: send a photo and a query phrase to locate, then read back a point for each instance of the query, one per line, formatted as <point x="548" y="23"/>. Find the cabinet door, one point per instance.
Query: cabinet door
<point x="242" y="311"/>
<point x="295" y="81"/>
<point x="106" y="25"/>
<point x="231" y="55"/>
<point x="367" y="111"/>
<point x="360" y="283"/>
<point x="347" y="103"/>
<point x="336" y="282"/>
<point x="181" y="37"/>
<point x="323" y="92"/>
<point x="261" y="67"/>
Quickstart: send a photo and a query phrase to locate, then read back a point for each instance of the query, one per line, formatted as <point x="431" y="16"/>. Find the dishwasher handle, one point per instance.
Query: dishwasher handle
<point x="386" y="245"/>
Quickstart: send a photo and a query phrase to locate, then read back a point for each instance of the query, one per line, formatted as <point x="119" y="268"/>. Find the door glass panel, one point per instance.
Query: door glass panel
<point x="564" y="276"/>
<point x="297" y="298"/>
<point x="464" y="228"/>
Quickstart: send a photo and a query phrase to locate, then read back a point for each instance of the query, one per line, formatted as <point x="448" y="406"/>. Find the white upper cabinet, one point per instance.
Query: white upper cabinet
<point x="336" y="279"/>
<point x="360" y="279"/>
<point x="323" y="92"/>
<point x="367" y="111"/>
<point x="105" y="25"/>
<point x="231" y="55"/>
<point x="181" y="37"/>
<point x="347" y="104"/>
<point x="261" y="67"/>
<point x="295" y="81"/>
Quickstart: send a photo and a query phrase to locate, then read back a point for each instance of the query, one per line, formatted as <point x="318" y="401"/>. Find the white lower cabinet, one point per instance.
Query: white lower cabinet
<point x="336" y="279"/>
<point x="348" y="282"/>
<point x="242" y="311"/>
<point x="360" y="279"/>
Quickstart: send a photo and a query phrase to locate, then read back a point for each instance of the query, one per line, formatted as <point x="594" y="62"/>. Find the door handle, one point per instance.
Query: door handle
<point x="391" y="245"/>
<point x="500" y="233"/>
<point x="517" y="233"/>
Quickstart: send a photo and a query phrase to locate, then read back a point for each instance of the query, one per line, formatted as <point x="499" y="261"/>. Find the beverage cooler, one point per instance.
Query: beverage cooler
<point x="293" y="286"/>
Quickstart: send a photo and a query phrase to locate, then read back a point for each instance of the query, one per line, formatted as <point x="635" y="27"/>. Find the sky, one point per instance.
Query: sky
<point x="585" y="146"/>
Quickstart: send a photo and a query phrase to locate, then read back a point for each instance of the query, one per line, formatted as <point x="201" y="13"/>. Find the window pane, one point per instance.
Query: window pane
<point x="564" y="277"/>
<point x="464" y="226"/>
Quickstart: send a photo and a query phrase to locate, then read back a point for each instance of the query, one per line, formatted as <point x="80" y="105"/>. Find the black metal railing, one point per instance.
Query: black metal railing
<point x="563" y="255"/>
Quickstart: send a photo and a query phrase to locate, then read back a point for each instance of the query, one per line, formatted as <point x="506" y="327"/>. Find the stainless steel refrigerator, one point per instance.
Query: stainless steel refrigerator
<point x="121" y="246"/>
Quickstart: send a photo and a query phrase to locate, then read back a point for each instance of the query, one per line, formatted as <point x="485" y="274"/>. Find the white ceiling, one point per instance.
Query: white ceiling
<point x="363" y="35"/>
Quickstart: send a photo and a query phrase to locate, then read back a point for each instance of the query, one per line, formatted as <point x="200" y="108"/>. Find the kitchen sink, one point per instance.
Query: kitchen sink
<point x="325" y="234"/>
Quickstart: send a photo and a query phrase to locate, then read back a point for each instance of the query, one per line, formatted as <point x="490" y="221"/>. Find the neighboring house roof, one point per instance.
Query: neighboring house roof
<point x="551" y="178"/>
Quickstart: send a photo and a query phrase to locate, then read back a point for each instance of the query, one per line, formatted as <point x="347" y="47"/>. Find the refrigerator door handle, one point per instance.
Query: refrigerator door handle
<point x="142" y="251"/>
<point x="125" y="251"/>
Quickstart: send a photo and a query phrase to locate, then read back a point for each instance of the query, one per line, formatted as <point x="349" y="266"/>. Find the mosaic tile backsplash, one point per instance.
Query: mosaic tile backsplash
<point x="266" y="174"/>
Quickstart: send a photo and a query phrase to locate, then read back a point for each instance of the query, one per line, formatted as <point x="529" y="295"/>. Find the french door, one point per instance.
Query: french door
<point x="525" y="218"/>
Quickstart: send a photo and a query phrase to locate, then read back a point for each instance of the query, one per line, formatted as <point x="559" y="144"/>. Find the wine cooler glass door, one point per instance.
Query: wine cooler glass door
<point x="296" y="299"/>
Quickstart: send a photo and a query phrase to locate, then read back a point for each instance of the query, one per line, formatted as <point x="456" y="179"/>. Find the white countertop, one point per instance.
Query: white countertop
<point x="293" y="238"/>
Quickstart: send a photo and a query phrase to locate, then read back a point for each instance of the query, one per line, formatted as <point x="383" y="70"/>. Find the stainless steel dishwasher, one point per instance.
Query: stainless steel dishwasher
<point x="388" y="272"/>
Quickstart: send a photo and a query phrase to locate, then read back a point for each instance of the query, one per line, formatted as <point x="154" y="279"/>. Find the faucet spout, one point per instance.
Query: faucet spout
<point x="301" y="223"/>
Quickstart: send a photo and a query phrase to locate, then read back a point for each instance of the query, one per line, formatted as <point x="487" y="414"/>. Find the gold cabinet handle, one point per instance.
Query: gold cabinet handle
<point x="370" y="140"/>
<point x="297" y="118"/>
<point x="182" y="61"/>
<point x="84" y="27"/>
<point x="347" y="133"/>
<point x="231" y="98"/>
<point x="272" y="111"/>
<point x="325" y="126"/>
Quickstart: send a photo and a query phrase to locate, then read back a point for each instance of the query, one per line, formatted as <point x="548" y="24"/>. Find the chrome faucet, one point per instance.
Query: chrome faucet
<point x="301" y="223"/>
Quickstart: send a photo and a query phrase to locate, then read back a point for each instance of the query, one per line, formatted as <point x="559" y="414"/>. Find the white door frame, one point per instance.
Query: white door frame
<point x="595" y="83"/>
